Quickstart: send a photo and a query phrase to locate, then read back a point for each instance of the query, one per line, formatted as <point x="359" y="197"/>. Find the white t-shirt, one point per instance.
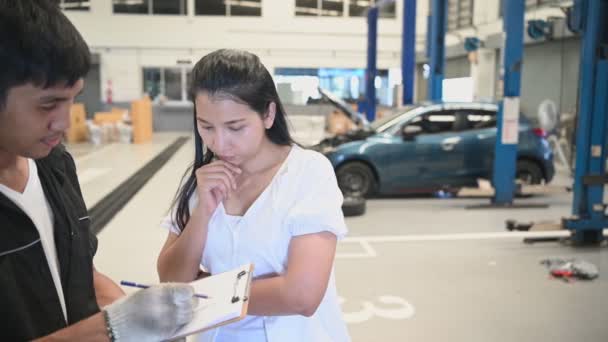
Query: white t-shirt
<point x="34" y="204"/>
<point x="302" y="198"/>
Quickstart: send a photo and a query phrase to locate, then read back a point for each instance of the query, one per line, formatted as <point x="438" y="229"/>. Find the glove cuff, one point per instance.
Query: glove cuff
<point x="109" y="329"/>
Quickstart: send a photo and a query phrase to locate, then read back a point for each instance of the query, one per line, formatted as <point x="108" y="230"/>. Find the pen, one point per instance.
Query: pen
<point x="142" y="286"/>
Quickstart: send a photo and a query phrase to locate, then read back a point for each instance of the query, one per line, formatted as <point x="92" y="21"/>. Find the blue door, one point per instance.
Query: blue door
<point x="432" y="159"/>
<point x="479" y="134"/>
<point x="403" y="163"/>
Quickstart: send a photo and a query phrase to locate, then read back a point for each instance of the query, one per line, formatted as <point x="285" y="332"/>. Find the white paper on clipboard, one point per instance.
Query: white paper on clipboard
<point x="228" y="300"/>
<point x="510" y="120"/>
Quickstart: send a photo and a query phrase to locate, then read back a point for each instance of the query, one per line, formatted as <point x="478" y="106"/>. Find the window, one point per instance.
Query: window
<point x="173" y="84"/>
<point x="75" y="5"/>
<point x="481" y="120"/>
<point x="299" y="85"/>
<point x="251" y="8"/>
<point x="131" y="7"/>
<point x="175" y="7"/>
<point x="307" y="8"/>
<point x="156" y="7"/>
<point x="323" y="8"/>
<point x="460" y="14"/>
<point x="333" y="8"/>
<point x="188" y="82"/>
<point x="434" y="122"/>
<point x="152" y="82"/>
<point x="245" y="8"/>
<point x="454" y="121"/>
<point x="167" y="83"/>
<point x="537" y="3"/>
<point x="358" y="8"/>
<point x="210" y="7"/>
<point x="388" y="11"/>
<point x="337" y="8"/>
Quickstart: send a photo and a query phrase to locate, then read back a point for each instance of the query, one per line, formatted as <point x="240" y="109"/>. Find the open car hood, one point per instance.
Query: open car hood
<point x="353" y="135"/>
<point x="358" y="118"/>
<point x="328" y="144"/>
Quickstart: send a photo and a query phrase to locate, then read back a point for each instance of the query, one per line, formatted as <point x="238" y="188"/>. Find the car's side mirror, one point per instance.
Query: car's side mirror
<point x="409" y="132"/>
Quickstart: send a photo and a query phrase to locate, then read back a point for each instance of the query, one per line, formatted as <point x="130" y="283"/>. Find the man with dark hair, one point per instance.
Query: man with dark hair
<point x="48" y="284"/>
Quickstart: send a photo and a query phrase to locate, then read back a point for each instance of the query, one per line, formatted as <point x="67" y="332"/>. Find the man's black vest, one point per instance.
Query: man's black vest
<point x="29" y="305"/>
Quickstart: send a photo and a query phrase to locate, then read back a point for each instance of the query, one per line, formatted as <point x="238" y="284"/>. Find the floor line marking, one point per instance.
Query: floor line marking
<point x="367" y="247"/>
<point x="88" y="175"/>
<point x="94" y="153"/>
<point x="457" y="237"/>
<point x="368" y="252"/>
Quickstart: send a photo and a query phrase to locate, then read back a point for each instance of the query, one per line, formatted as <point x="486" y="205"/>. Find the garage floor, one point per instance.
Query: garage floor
<point x="452" y="274"/>
<point x="411" y="269"/>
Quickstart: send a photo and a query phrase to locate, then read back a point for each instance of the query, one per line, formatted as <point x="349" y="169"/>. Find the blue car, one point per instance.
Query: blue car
<point x="431" y="147"/>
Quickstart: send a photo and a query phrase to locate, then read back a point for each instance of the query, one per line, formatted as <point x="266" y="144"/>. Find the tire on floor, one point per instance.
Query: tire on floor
<point x="353" y="206"/>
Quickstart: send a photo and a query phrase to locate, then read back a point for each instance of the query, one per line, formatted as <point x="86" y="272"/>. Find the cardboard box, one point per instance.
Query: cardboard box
<point x="141" y="119"/>
<point x="78" y="125"/>
<point x="102" y="118"/>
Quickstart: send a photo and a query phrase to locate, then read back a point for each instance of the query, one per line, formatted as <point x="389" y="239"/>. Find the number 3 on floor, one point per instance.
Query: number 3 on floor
<point x="391" y="307"/>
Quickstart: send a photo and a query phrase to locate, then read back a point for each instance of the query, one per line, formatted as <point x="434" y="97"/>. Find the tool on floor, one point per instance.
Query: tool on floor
<point x="515" y="225"/>
<point x="571" y="269"/>
<point x="512" y="225"/>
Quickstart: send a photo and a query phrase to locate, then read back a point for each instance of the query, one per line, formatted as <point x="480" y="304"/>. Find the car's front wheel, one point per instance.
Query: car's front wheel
<point x="529" y="172"/>
<point x="356" y="179"/>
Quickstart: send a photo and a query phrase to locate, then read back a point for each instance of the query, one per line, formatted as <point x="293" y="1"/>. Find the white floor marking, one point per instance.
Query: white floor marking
<point x="88" y="175"/>
<point x="368" y="248"/>
<point x="368" y="252"/>
<point x="457" y="237"/>
<point x="392" y="307"/>
<point x="92" y="154"/>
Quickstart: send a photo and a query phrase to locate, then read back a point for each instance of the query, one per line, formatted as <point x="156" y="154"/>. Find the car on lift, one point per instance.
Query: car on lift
<point x="429" y="147"/>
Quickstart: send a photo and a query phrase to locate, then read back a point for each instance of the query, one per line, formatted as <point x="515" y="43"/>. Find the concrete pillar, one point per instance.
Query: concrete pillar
<point x="483" y="71"/>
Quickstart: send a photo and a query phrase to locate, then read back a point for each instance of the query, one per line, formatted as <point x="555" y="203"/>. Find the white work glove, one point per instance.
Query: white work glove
<point x="152" y="314"/>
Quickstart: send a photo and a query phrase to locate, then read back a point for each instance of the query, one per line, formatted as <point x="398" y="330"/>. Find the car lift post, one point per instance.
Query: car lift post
<point x="505" y="151"/>
<point x="590" y="17"/>
<point x="408" y="51"/>
<point x="588" y="210"/>
<point x="507" y="127"/>
<point x="370" y="73"/>
<point x="436" y="47"/>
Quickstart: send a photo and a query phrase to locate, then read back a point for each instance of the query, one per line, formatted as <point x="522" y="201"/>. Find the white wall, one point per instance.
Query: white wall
<point x="126" y="43"/>
<point x="122" y="68"/>
<point x="486" y="20"/>
<point x="483" y="72"/>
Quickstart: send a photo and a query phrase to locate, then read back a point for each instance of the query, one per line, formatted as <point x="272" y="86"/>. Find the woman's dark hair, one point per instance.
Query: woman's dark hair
<point x="38" y="44"/>
<point x="241" y="77"/>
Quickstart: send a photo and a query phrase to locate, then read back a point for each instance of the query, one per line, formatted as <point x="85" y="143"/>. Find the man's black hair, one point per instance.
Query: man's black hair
<point x="39" y="45"/>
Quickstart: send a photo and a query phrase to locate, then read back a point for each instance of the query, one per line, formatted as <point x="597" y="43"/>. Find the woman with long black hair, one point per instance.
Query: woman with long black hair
<point x="253" y="196"/>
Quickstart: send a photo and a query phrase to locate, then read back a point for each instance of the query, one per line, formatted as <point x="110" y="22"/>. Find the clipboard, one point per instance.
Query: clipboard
<point x="228" y="300"/>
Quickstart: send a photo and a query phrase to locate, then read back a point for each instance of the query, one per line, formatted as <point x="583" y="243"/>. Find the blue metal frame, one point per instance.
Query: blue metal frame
<point x="371" y="72"/>
<point x="439" y="14"/>
<point x="427" y="41"/>
<point x="589" y="217"/>
<point x="408" y="51"/>
<point x="505" y="154"/>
